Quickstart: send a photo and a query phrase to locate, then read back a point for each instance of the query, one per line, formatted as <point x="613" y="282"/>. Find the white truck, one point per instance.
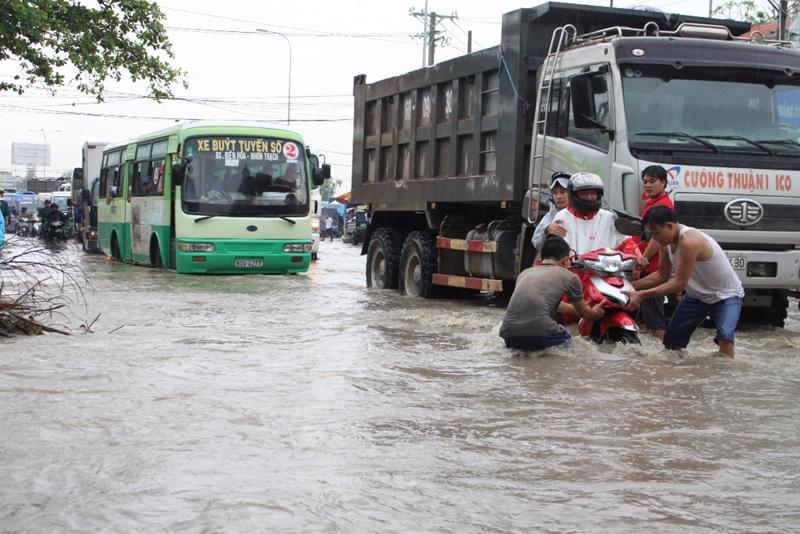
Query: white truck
<point x="454" y="160"/>
<point x="86" y="195"/>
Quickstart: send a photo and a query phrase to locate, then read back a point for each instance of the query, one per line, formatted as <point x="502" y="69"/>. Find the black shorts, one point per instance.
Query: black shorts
<point x="651" y="313"/>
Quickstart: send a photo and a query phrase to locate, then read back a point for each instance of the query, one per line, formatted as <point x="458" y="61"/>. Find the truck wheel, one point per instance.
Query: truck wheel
<point x="418" y="262"/>
<point x="383" y="257"/>
<point x="773" y="315"/>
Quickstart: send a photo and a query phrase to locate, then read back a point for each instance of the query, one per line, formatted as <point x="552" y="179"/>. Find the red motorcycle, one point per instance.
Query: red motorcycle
<point x="605" y="275"/>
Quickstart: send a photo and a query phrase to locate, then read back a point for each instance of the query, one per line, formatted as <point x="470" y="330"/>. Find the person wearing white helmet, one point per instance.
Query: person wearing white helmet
<point x="558" y="191"/>
<point x="587" y="226"/>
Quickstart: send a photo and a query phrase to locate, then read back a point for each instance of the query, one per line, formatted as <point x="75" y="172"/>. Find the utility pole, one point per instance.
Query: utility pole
<point x="710" y="8"/>
<point x="423" y="16"/>
<point x="430" y="38"/>
<point x="782" y="20"/>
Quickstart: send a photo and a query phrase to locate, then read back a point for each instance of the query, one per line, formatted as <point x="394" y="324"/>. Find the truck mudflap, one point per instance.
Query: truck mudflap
<point x="468" y="282"/>
<point x="767" y="269"/>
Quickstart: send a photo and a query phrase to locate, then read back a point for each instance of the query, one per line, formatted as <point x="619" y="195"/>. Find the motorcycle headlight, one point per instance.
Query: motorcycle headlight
<point x="593" y="264"/>
<point x="611" y="264"/>
<point x="628" y="265"/>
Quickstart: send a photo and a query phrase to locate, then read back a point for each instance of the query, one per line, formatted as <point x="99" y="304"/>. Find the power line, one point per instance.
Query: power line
<point x="308" y="32"/>
<point x="8" y="107"/>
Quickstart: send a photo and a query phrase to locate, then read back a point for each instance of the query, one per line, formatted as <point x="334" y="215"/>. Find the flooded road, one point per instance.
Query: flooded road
<point x="310" y="404"/>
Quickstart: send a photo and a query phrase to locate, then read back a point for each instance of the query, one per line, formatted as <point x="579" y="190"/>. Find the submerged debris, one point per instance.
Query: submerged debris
<point x="37" y="286"/>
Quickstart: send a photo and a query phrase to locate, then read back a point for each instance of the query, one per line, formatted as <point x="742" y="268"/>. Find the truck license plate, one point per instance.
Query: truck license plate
<point x="738" y="263"/>
<point x="248" y="262"/>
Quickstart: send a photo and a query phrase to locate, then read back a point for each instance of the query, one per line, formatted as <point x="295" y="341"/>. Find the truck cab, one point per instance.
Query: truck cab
<point x="617" y="100"/>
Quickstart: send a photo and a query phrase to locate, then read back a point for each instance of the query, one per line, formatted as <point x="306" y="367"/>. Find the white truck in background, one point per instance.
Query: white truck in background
<point x="85" y="194"/>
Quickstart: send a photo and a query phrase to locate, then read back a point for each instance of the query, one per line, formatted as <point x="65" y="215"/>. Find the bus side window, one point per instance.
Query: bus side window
<point x="103" y="180"/>
<point x="157" y="174"/>
<point x="115" y="181"/>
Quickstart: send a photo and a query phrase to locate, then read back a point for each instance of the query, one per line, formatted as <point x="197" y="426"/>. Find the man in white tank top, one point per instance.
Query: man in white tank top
<point x="711" y="286"/>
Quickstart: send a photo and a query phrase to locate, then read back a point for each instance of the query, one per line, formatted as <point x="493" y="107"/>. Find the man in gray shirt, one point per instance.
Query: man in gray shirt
<point x="528" y="323"/>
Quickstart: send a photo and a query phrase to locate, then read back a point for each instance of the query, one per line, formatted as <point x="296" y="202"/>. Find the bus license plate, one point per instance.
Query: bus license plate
<point x="738" y="263"/>
<point x="248" y="262"/>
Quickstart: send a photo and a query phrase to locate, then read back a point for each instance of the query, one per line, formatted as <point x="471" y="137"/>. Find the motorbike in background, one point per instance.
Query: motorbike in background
<point x="55" y="231"/>
<point x="25" y="228"/>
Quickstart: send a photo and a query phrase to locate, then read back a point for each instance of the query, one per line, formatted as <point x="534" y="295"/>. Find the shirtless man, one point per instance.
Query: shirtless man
<point x="701" y="270"/>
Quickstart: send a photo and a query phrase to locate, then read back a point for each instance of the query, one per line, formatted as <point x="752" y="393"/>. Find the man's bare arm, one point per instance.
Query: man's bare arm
<point x="587" y="312"/>
<point x="657" y="278"/>
<point x="689" y="248"/>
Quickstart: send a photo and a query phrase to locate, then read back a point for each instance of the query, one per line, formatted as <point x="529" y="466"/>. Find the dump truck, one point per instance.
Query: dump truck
<point x="454" y="160"/>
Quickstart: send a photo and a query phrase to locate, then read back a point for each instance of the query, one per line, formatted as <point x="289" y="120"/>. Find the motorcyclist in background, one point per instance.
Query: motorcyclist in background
<point x="52" y="216"/>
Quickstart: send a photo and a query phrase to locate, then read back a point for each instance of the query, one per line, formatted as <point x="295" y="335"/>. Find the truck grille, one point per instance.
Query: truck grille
<point x="709" y="215"/>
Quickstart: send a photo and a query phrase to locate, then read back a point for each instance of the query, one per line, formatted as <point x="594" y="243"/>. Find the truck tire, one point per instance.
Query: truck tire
<point x="418" y="263"/>
<point x="383" y="258"/>
<point x="773" y="315"/>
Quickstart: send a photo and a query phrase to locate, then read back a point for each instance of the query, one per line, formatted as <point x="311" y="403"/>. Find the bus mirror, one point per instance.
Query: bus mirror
<point x="314" y="160"/>
<point x="178" y="172"/>
<point x="321" y="174"/>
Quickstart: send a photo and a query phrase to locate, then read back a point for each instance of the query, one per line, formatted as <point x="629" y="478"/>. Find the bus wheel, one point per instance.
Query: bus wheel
<point x="115" y="254"/>
<point x="155" y="254"/>
<point x="418" y="262"/>
<point x="383" y="257"/>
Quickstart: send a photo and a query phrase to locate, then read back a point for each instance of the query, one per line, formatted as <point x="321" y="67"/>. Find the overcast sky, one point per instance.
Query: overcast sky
<point x="245" y="76"/>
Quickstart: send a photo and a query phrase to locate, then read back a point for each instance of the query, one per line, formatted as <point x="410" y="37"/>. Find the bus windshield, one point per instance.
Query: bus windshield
<point x="712" y="109"/>
<point x="244" y="177"/>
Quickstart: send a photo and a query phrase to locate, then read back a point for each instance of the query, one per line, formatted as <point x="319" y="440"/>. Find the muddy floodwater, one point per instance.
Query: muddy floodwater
<point x="311" y="404"/>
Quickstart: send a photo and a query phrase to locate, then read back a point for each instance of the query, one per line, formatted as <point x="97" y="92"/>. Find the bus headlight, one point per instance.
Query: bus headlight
<point x="196" y="247"/>
<point x="297" y="247"/>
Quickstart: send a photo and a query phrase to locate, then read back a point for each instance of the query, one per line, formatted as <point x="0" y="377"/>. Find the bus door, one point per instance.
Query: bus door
<point x="112" y="210"/>
<point x="148" y="209"/>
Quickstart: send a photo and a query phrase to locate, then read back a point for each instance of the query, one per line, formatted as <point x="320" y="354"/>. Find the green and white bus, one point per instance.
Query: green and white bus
<point x="203" y="197"/>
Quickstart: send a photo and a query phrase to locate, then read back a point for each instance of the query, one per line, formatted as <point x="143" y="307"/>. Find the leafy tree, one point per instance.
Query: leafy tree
<point x="745" y="10"/>
<point x="46" y="37"/>
<point x="328" y="189"/>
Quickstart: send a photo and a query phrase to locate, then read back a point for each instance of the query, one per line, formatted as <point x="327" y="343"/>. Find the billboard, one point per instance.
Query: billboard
<point x="30" y="154"/>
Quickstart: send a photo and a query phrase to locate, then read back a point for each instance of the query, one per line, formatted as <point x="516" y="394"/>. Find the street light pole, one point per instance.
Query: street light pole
<point x="44" y="156"/>
<point x="289" y="94"/>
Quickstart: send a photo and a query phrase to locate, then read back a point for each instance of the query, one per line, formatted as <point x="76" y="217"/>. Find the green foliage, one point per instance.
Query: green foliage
<point x="744" y="10"/>
<point x="46" y="37"/>
<point x="328" y="189"/>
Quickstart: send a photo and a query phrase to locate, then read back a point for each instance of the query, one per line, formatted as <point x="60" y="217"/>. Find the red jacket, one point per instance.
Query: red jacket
<point x="662" y="200"/>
